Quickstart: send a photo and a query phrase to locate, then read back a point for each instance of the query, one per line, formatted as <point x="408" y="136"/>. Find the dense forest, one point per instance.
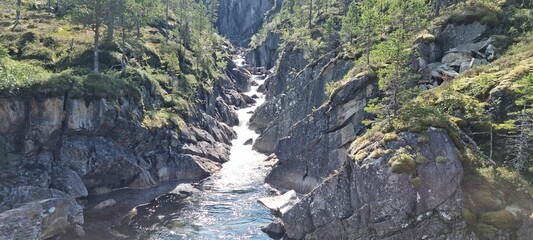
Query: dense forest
<point x="429" y="102"/>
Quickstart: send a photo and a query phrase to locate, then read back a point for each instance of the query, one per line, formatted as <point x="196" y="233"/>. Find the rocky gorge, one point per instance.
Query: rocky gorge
<point x="300" y="125"/>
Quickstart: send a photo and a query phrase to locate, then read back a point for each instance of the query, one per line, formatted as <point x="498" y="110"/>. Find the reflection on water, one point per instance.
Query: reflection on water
<point x="226" y="206"/>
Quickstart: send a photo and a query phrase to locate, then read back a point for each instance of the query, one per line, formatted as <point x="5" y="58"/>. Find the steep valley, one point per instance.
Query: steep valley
<point x="306" y="120"/>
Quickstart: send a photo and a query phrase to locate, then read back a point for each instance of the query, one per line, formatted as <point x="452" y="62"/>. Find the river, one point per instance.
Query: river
<point x="226" y="206"/>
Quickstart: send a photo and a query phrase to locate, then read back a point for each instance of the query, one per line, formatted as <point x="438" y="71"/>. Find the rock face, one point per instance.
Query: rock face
<point x="366" y="200"/>
<point x="239" y="20"/>
<point x="266" y="54"/>
<point x="316" y="146"/>
<point x="292" y="93"/>
<point x="54" y="150"/>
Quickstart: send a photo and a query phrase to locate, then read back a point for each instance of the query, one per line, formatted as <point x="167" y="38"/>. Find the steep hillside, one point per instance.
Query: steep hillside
<point x="160" y="109"/>
<point x="441" y="166"/>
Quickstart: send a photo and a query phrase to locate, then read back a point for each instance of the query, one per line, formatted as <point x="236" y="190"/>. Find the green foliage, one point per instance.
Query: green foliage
<point x="331" y="87"/>
<point x="38" y="52"/>
<point x="15" y="76"/>
<point x="486" y="12"/>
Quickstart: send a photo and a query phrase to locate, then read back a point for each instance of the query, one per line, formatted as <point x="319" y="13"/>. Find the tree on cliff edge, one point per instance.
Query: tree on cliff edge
<point x="92" y="13"/>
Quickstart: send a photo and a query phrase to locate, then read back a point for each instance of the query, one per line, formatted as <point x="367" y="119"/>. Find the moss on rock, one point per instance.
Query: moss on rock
<point x="441" y="159"/>
<point x="378" y="153"/>
<point x="416" y="183"/>
<point x="485" y="201"/>
<point x="389" y="137"/>
<point x="423" y="138"/>
<point x="420" y="159"/>
<point x="402" y="163"/>
<point x="469" y="217"/>
<point x="502" y="219"/>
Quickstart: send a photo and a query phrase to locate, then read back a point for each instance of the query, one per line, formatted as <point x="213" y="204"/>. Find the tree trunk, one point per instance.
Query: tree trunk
<point x="110" y="27"/>
<point x="123" y="46"/>
<point x="96" y="47"/>
<point x="166" y="21"/>
<point x="17" y="12"/>
<point x="310" y="12"/>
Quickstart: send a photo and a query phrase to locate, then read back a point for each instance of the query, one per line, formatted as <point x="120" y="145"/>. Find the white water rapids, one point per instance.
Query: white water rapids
<point x="226" y="207"/>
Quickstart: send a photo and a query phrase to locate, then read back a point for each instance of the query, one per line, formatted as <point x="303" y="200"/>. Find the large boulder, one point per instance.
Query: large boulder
<point x="52" y="212"/>
<point x="22" y="223"/>
<point x="455" y="35"/>
<point x="368" y="200"/>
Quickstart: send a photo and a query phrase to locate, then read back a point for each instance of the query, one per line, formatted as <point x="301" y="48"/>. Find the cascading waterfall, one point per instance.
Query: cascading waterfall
<point x="226" y="207"/>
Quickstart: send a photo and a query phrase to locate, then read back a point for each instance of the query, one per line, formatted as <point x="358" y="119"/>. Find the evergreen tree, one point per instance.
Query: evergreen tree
<point x="330" y="33"/>
<point x="393" y="77"/>
<point x="92" y="13"/>
<point x="368" y="25"/>
<point x="350" y="23"/>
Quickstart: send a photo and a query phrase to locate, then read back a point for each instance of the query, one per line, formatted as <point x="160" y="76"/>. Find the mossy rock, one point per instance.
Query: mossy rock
<point x="416" y="183"/>
<point x="389" y="137"/>
<point x="458" y="121"/>
<point x="402" y="163"/>
<point x="420" y="159"/>
<point x="502" y="219"/>
<point x="425" y="38"/>
<point x="485" y="201"/>
<point x="424" y="138"/>
<point x="486" y="231"/>
<point x="378" y="153"/>
<point x="360" y="156"/>
<point x="441" y="159"/>
<point x="469" y="217"/>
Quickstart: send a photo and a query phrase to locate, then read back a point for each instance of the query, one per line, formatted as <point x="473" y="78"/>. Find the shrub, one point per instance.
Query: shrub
<point x="38" y="52"/>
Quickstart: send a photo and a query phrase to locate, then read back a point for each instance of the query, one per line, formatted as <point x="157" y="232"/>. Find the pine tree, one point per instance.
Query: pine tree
<point x="394" y="76"/>
<point x="350" y="23"/>
<point x="92" y="13"/>
<point x="368" y="25"/>
<point x="329" y="32"/>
